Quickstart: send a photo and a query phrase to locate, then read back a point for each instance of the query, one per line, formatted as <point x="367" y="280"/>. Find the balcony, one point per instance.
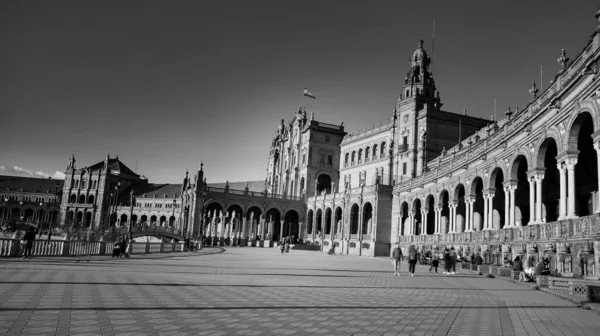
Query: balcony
<point x="403" y="148"/>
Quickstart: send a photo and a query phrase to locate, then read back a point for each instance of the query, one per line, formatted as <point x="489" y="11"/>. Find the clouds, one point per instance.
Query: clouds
<point x="19" y="171"/>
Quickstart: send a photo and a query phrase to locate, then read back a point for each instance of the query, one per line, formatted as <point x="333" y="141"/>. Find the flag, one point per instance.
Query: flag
<point x="308" y="94"/>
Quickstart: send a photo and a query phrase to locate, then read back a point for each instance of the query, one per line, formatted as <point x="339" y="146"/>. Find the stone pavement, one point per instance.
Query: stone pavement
<point x="254" y="291"/>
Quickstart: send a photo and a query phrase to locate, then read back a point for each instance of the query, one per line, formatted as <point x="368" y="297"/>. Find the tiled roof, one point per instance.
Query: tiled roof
<point x="29" y="184"/>
<point x="161" y="190"/>
<point x="252" y="185"/>
<point x="114" y="164"/>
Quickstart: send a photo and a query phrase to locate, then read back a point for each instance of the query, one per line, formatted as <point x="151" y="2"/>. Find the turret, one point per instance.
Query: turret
<point x="71" y="164"/>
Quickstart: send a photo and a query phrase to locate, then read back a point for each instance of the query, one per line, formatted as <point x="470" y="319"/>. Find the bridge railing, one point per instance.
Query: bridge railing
<point x="10" y="247"/>
<point x="254" y="193"/>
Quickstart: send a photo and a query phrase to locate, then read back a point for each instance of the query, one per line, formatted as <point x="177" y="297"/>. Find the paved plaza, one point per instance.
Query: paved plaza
<point x="254" y="291"/>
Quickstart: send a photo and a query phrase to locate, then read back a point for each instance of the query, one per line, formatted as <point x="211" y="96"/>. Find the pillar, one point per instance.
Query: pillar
<point x="538" y="197"/>
<point x="411" y="218"/>
<point x="360" y="224"/>
<point x="437" y="220"/>
<point x="451" y="219"/>
<point x="485" y="211"/>
<point x="562" y="202"/>
<point x="511" y="213"/>
<point x="571" y="162"/>
<point x="280" y="230"/>
<point x="491" y="210"/>
<point x="468" y="215"/>
<point x="424" y="221"/>
<point x="532" y="218"/>
<point x="262" y="228"/>
<point x="507" y="206"/>
<point x="243" y="233"/>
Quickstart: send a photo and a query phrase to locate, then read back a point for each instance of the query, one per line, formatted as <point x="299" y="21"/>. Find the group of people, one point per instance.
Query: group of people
<point x="433" y="258"/>
<point x="284" y="245"/>
<point x="27" y="242"/>
<point x="121" y="249"/>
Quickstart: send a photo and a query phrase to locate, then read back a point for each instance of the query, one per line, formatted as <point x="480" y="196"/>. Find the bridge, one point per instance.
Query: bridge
<point x="143" y="230"/>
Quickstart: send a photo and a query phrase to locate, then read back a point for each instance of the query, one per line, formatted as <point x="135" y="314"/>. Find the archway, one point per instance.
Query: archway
<point x="309" y="222"/>
<point x="72" y="198"/>
<point x="273" y="216"/>
<point x="234" y="219"/>
<point x="418" y="219"/>
<point x="144" y="219"/>
<point x="88" y="219"/>
<point x="81" y="199"/>
<point x="478" y="205"/>
<point x="319" y="228"/>
<point x="498" y="201"/>
<point x="253" y="221"/>
<point x="586" y="169"/>
<point x="551" y="182"/>
<point x="91" y="199"/>
<point x="367" y="220"/>
<point x="323" y="184"/>
<point x="354" y="219"/>
<point x="445" y="215"/>
<point x="519" y="173"/>
<point x="134" y="219"/>
<point x="337" y="223"/>
<point x="153" y="220"/>
<point x="430" y="210"/>
<point x="163" y="220"/>
<point x="404" y="216"/>
<point x="28" y="215"/>
<point x="461" y="209"/>
<point x="328" y="221"/>
<point x="79" y="221"/>
<point x="123" y="220"/>
<point x="212" y="219"/>
<point x="291" y="227"/>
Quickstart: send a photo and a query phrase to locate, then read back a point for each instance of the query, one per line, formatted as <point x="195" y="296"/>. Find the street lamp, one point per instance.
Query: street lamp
<point x="39" y="220"/>
<point x="173" y="214"/>
<point x="132" y="200"/>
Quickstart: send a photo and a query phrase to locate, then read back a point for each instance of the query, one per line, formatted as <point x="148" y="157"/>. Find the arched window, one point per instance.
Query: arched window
<point x="382" y="155"/>
<point x="360" y="152"/>
<point x="374" y="152"/>
<point x="347" y="159"/>
<point x="353" y="158"/>
<point x="367" y="152"/>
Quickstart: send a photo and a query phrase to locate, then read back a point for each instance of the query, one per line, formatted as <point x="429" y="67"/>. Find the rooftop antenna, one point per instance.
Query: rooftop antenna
<point x="136" y="166"/>
<point x="433" y="40"/>
<point x="459" y="130"/>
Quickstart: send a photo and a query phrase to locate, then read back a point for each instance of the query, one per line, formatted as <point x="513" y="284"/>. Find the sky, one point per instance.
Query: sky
<point x="166" y="84"/>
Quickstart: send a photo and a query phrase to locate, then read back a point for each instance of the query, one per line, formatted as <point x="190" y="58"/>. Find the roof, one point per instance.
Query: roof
<point x="160" y="190"/>
<point x="114" y="164"/>
<point x="29" y="184"/>
<point x="252" y="185"/>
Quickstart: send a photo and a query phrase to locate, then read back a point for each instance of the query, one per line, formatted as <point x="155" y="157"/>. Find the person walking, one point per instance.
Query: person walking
<point x="412" y="260"/>
<point x="478" y="260"/>
<point x="282" y="246"/>
<point x="447" y="261"/>
<point x="122" y="247"/>
<point x="29" y="237"/>
<point x="396" y="259"/>
<point x="453" y="258"/>
<point x="435" y="261"/>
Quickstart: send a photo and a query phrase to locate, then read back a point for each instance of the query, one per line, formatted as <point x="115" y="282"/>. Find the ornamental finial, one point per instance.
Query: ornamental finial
<point x="563" y="59"/>
<point x="534" y="90"/>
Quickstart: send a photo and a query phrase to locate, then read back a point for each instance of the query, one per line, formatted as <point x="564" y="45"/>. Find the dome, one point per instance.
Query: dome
<point x="420" y="56"/>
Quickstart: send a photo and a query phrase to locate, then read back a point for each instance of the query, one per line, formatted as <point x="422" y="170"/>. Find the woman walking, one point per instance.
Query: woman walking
<point x="412" y="260"/>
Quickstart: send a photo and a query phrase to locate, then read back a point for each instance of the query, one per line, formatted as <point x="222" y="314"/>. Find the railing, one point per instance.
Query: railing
<point x="255" y="193"/>
<point x="12" y="247"/>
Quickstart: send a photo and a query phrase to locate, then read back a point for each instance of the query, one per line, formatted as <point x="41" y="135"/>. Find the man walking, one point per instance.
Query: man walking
<point x="412" y="260"/>
<point x="28" y="238"/>
<point x="396" y="259"/>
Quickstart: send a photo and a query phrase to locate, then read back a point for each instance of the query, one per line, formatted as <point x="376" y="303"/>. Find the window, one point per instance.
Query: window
<point x="404" y="168"/>
<point x="407" y="93"/>
<point x="367" y="152"/>
<point x="322" y="158"/>
<point x="360" y="151"/>
<point x="382" y="150"/>
<point x="353" y="157"/>
<point x="329" y="159"/>
<point x="327" y="138"/>
<point x="405" y="140"/>
<point x="83" y="184"/>
<point x="304" y="158"/>
<point x="347" y="159"/>
<point x="94" y="184"/>
<point x="374" y="152"/>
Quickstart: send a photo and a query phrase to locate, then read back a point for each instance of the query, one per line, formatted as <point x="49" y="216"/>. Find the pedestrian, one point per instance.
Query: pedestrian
<point x="435" y="261"/>
<point x="122" y="247"/>
<point x="396" y="259"/>
<point x="447" y="261"/>
<point x="287" y="245"/>
<point x="282" y="246"/>
<point x="453" y="258"/>
<point x="517" y="265"/>
<point x="478" y="260"/>
<point x="117" y="249"/>
<point x="128" y="249"/>
<point x="413" y="257"/>
<point x="29" y="237"/>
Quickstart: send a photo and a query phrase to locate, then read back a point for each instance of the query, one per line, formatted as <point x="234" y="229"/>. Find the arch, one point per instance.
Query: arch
<point x="461" y="208"/>
<point x="458" y="191"/>
<point x="134" y="219"/>
<point x="273" y="216"/>
<point x="375" y="151"/>
<point x="430" y="213"/>
<point x="323" y="183"/>
<point x="353" y="157"/>
<point x="309" y="222"/>
<point x="367" y="220"/>
<point x="418" y="218"/>
<point x="88" y="219"/>
<point x="81" y="199"/>
<point x="79" y="220"/>
<point x="254" y="212"/>
<point x="123" y="220"/>
<point x="478" y="203"/>
<point x="328" y="220"/>
<point x="360" y="155"/>
<point x="367" y="153"/>
<point x="382" y="150"/>
<point x="584" y="109"/>
<point x="153" y="220"/>
<point x="172" y="221"/>
<point x="354" y="219"/>
<point x="586" y="169"/>
<point x="319" y="223"/>
<point x="91" y="199"/>
<point x="291" y="227"/>
<point x="546" y="160"/>
<point x="144" y="219"/>
<point x="337" y="222"/>
<point x="72" y="198"/>
<point x="403" y="217"/>
<point x="163" y="220"/>
<point x="498" y="219"/>
<point x="519" y="169"/>
<point x="302" y="186"/>
<point x="346" y="159"/>
<point x="494" y="175"/>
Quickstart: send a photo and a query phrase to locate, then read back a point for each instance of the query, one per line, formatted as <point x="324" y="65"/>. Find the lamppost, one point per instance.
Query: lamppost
<point x="54" y="206"/>
<point x="203" y="202"/>
<point x="132" y="200"/>
<point x="40" y="223"/>
<point x="108" y="212"/>
<point x="173" y="214"/>
<point x="116" y="200"/>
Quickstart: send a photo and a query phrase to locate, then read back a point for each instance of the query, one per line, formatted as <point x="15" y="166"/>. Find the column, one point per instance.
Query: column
<point x="512" y="188"/>
<point x="532" y="219"/>
<point x="485" y="211"/>
<point x="314" y="221"/>
<point x="538" y="197"/>
<point x="562" y="208"/>
<point x="491" y="210"/>
<point x="280" y="230"/>
<point x="424" y="221"/>
<point x="571" y="162"/>
<point x="507" y="223"/>
<point x="243" y="233"/>
<point x="411" y="223"/>
<point x="468" y="215"/>
<point x="262" y="228"/>
<point x="451" y="219"/>
<point x="597" y="148"/>
<point x="360" y="224"/>
<point x="437" y="220"/>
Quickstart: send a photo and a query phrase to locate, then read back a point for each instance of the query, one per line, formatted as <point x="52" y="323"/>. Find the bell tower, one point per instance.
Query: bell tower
<point x="419" y="80"/>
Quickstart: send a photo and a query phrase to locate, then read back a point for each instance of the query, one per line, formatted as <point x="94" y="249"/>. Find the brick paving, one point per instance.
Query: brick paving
<point x="254" y="291"/>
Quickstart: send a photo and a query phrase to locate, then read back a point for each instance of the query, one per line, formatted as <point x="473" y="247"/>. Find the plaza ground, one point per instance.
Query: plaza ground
<point x="254" y="291"/>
